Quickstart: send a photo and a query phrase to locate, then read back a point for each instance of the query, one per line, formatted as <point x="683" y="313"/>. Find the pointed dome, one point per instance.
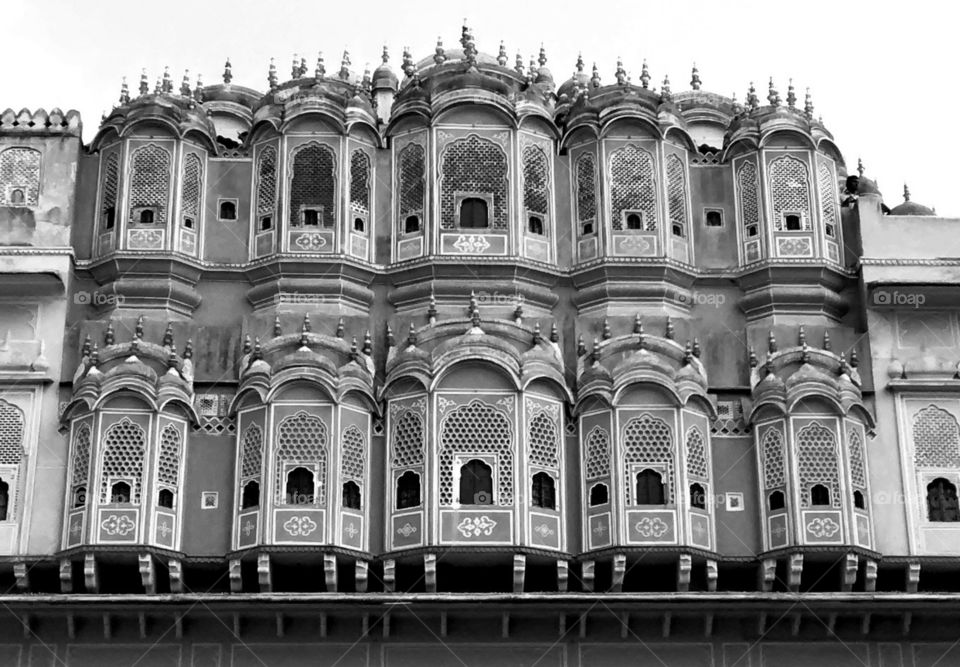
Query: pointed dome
<point x="384" y="76"/>
<point x="910" y="207"/>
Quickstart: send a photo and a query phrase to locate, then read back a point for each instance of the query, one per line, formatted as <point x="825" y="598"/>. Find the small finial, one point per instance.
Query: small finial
<point x="257" y="349"/>
<point x="295" y="66"/>
<point x="167" y="81"/>
<point x="595" y="351"/>
<point x="227" y="72"/>
<point x="645" y="75"/>
<point x="272" y="75"/>
<point x="367" y="343"/>
<point x="502" y="57"/>
<point x="906" y="193"/>
<point x="158" y="88"/>
<point x="826" y="341"/>
<point x="860" y="167"/>
<point x="854" y="358"/>
<point x="168" y="335"/>
<point x="247" y="345"/>
<point x="808" y="105"/>
<point x="95" y="355"/>
<point x="345" y="66"/>
<point x="138" y="329"/>
<point x="518" y="311"/>
<point x="753" y="357"/>
<point x="408" y="66"/>
<point x="306" y="322"/>
<point x="687" y="353"/>
<point x="804" y="353"/>
<point x="668" y="334"/>
<point x="531" y="71"/>
<point x="385" y="56"/>
<point x="304" y="339"/>
<point x="695" y="78"/>
<point x="802" y="336"/>
<point x="390" y="340"/>
<point x="518" y="66"/>
<point x="340" y="328"/>
<point x="606" y="329"/>
<point x="185" y="84"/>
<point x="303" y="67"/>
<point x="665" y="94"/>
<point x="353" y="349"/>
<point x="124" y="91"/>
<point x="580" y="65"/>
<point x="621" y="73"/>
<point x="772" y="95"/>
<point x="108" y="334"/>
<point x="542" y="60"/>
<point x="537" y="338"/>
<point x="188" y="349"/>
<point x="172" y="359"/>
<point x="432" y="308"/>
<point x="696" y="347"/>
<point x="144" y="84"/>
<point x="737" y="107"/>
<point x="581" y="346"/>
<point x="637" y="324"/>
<point x="412" y="336"/>
<point x="753" y="102"/>
<point x="277" y="330"/>
<point x="791" y="95"/>
<point x="595" y="77"/>
<point x="198" y="89"/>
<point x="321" y="70"/>
<point x="771" y="343"/>
<point x="554" y="333"/>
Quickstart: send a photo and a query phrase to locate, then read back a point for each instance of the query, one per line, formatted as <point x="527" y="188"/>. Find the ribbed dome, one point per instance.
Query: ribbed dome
<point x="910" y="207"/>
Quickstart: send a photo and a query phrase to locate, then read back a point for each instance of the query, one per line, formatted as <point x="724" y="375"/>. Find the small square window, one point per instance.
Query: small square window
<point x="209" y="500"/>
<point x="266" y="223"/>
<point x="188" y="222"/>
<point x="359" y="225"/>
<point x="713" y="217"/>
<point x="227" y="209"/>
<point x="752" y="230"/>
<point x="792" y="222"/>
<point x="586" y="228"/>
<point x="633" y="220"/>
<point x="829" y="229"/>
<point x="734" y="502"/>
<point x="310" y="217"/>
<point x="412" y="224"/>
<point x="535" y="225"/>
<point x="678" y="230"/>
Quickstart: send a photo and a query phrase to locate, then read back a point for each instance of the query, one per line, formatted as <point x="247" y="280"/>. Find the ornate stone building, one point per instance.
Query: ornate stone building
<point x="470" y="364"/>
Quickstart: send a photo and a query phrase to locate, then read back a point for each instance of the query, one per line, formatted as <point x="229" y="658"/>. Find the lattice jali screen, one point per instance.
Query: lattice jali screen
<point x="20" y="169"/>
<point x="774" y="468"/>
<point x="473" y="165"/>
<point x="536" y="180"/>
<point x="360" y="182"/>
<point x="150" y="180"/>
<point x="111" y="183"/>
<point x="817" y="462"/>
<point x="936" y="438"/>
<point x="828" y="194"/>
<point x="476" y="428"/>
<point x="267" y="181"/>
<point x="677" y="192"/>
<point x="648" y="441"/>
<point x="632" y="186"/>
<point x="789" y="190"/>
<point x="11" y="434"/>
<point x="697" y="455"/>
<point x="81" y="456"/>
<point x="586" y="187"/>
<point x="412" y="188"/>
<point x="192" y="185"/>
<point x="407" y="440"/>
<point x="543" y="438"/>
<point x="251" y="453"/>
<point x="858" y="476"/>
<point x="168" y="468"/>
<point x="313" y="183"/>
<point x="747" y="186"/>
<point x="598" y="454"/>
<point x="352" y="455"/>
<point x="302" y="440"/>
<point x="124" y="450"/>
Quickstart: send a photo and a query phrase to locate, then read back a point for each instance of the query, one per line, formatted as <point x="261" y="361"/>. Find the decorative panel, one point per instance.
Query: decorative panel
<point x="150" y="181"/>
<point x="476" y="526"/>
<point x="407" y="530"/>
<point x="651" y="526"/>
<point x="632" y="187"/>
<point x="300" y="525"/>
<point x="124" y="450"/>
<point x="474" y="164"/>
<point x="313" y="185"/>
<point x="19" y="177"/>
<point x="789" y="191"/>
<point x="817" y="462"/>
<point x="476" y="427"/>
<point x="648" y="442"/>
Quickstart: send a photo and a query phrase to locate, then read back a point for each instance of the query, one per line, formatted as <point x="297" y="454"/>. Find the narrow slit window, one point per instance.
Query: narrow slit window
<point x="599" y="495"/>
<point x="942" y="501"/>
<point x="544" y="491"/>
<point x="251" y="495"/>
<point x="714" y="218"/>
<point x="698" y="497"/>
<point x="351" y="495"/>
<point x="776" y="501"/>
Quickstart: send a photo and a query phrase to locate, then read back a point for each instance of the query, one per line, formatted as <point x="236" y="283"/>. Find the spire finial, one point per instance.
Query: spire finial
<point x="606" y="329"/>
<point x="791" y="95"/>
<point x="595" y="77"/>
<point x="668" y="334"/>
<point x="502" y="57"/>
<point x="198" y="89"/>
<point x="303" y="67"/>
<point x="158" y="88"/>
<point x="408" y="67"/>
<point x="906" y="193"/>
<point x="305" y="327"/>
<point x="752" y="100"/>
<point x="412" y="336"/>
<point x="138" y="329"/>
<point x="464" y="35"/>
<point x="168" y="335"/>
<point x="518" y="67"/>
<point x="580" y="64"/>
<point x="665" y="94"/>
<point x="167" y="81"/>
<point x="277" y="329"/>
<point x="645" y="75"/>
<point x="108" y="334"/>
<point x="827" y="345"/>
<point x="771" y="343"/>
<point x="227" y="72"/>
<point x="321" y="70"/>
<point x="554" y="333"/>
<point x="385" y="57"/>
<point x="432" y="308"/>
<point x="637" y="324"/>
<point x="367" y="343"/>
<point x="802" y="336"/>
<point x="772" y="95"/>
<point x="247" y="344"/>
<point x="581" y="346"/>
<point x="621" y="73"/>
<point x="340" y="328"/>
<point x="272" y="75"/>
<point x="345" y="66"/>
<point x="808" y="105"/>
<point x="439" y="55"/>
<point x="185" y="84"/>
<point x="542" y="60"/>
<point x="295" y="66"/>
<point x="85" y="350"/>
<point x="753" y="357"/>
<point x="124" y="91"/>
<point x="144" y="84"/>
<point x="695" y="78"/>
<point x="860" y="167"/>
<point x="737" y="107"/>
<point x="537" y="337"/>
<point x="391" y="342"/>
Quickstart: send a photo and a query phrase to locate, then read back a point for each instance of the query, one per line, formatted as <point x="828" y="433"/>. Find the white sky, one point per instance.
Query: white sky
<point x="880" y="73"/>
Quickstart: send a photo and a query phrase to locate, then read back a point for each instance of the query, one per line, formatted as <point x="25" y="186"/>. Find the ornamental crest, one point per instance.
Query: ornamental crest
<point x="475" y="527"/>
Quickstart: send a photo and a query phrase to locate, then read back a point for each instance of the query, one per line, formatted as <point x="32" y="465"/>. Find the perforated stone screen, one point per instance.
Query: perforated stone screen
<point x="168" y="469"/>
<point x="474" y="165"/>
<point x="412" y="180"/>
<point x="476" y="428"/>
<point x="81" y="456"/>
<point x="314" y="183"/>
<point x="789" y="190"/>
<point x="543" y="441"/>
<point x="817" y="462"/>
<point x="696" y="455"/>
<point x="598" y="453"/>
<point x="771" y="448"/>
<point x="858" y="476"/>
<point x="251" y="447"/>
<point x="360" y="182"/>
<point x="677" y="192"/>
<point x="150" y="180"/>
<point x="828" y="193"/>
<point x="936" y="438"/>
<point x="192" y="185"/>
<point x="648" y="440"/>
<point x="352" y="455"/>
<point x="632" y="186"/>
<point x="20" y="168"/>
<point x="747" y="186"/>
<point x="267" y="181"/>
<point x="111" y="183"/>
<point x="586" y="187"/>
<point x="302" y="440"/>
<point x="407" y="440"/>
<point x="11" y="434"/>
<point x="124" y="449"/>
<point x="536" y="180"/>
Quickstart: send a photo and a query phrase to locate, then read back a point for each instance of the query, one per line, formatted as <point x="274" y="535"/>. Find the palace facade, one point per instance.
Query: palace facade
<point x="467" y="363"/>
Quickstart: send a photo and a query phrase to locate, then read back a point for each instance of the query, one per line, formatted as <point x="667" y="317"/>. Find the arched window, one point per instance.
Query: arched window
<point x="599" y="495"/>
<point x="251" y="495"/>
<point x="359" y="188"/>
<point x="408" y="490"/>
<point x="776" y="501"/>
<point x="698" y="497"/>
<point x="677" y="195"/>
<point x="817" y="464"/>
<point x="476" y="483"/>
<point x="819" y="495"/>
<point x="17" y="197"/>
<point x="4" y="499"/>
<point x="858" y="500"/>
<point x="124" y="451"/>
<point x="150" y="185"/>
<point x="634" y="221"/>
<point x="191" y="197"/>
<point x="146" y="217"/>
<point x="266" y="188"/>
<point x="649" y="488"/>
<point x="544" y="491"/>
<point x="633" y="188"/>
<point x="412" y="187"/>
<point x="477" y="429"/>
<point x="536" y="185"/>
<point x="790" y="194"/>
<point x="473" y="213"/>
<point x="412" y="224"/>
<point x="300" y="487"/>
<point x="165" y="498"/>
<point x="313" y="187"/>
<point x="228" y="210"/>
<point x="586" y="193"/>
<point x="535" y="225"/>
<point x="302" y="442"/>
<point x="942" y="501"/>
<point x="79" y="496"/>
<point x="81" y="465"/>
<point x="351" y="495"/>
<point x="747" y="187"/>
<point x="111" y="186"/>
<point x="120" y="492"/>
<point x="473" y="165"/>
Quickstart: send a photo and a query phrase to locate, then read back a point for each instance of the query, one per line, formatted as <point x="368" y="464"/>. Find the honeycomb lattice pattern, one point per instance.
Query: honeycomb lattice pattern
<point x="20" y="167"/>
<point x="677" y="192"/>
<point x="192" y="185"/>
<point x="858" y="476"/>
<point x="632" y="186"/>
<point x="747" y="189"/>
<point x="251" y="452"/>
<point x="168" y="470"/>
<point x="314" y="183"/>
<point x="408" y="440"/>
<point x="267" y="181"/>
<point x="360" y="182"/>
<point x="586" y="187"/>
<point x="828" y="188"/>
<point x="536" y="180"/>
<point x="598" y="454"/>
<point x="648" y="441"/>
<point x="11" y="434"/>
<point x="476" y="428"/>
<point x="936" y="438"/>
<point x="412" y="180"/>
<point x="81" y="456"/>
<point x="352" y="455"/>
<point x="774" y="472"/>
<point x="696" y="455"/>
<point x="817" y="462"/>
<point x="302" y="440"/>
<point x="543" y="441"/>
<point x="111" y="183"/>
<point x="150" y="180"/>
<point x="789" y="190"/>
<point x="124" y="449"/>
<point x="473" y="164"/>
